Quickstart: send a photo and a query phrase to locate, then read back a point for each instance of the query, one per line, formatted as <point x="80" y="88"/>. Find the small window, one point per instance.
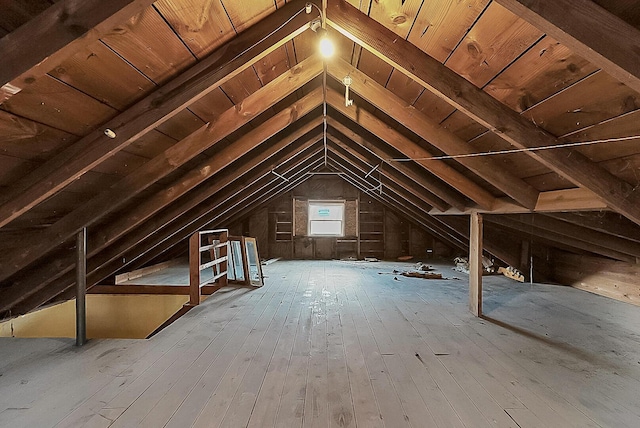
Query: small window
<point x="326" y="218"/>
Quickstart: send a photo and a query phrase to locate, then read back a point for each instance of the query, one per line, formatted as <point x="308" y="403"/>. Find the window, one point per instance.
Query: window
<point x="326" y="218"/>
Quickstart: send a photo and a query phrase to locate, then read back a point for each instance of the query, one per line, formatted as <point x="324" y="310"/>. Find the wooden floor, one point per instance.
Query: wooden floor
<point x="345" y="344"/>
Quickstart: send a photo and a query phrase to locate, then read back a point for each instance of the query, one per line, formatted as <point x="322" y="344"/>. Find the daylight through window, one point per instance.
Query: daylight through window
<point x="326" y="218"/>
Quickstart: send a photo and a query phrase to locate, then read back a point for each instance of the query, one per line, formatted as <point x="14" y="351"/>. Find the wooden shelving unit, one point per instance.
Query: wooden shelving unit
<point x="371" y="224"/>
<point x="283" y="226"/>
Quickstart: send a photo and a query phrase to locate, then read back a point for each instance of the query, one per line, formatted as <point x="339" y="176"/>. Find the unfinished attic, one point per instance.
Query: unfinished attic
<point x="277" y="225"/>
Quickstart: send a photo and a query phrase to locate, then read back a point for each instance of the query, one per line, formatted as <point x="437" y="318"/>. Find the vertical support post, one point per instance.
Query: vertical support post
<point x="475" y="264"/>
<point x="525" y="250"/>
<point x="194" y="269"/>
<point x="81" y="287"/>
<point x="224" y="239"/>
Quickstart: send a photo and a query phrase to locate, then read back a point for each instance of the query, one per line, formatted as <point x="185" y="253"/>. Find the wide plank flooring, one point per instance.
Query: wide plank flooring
<point x="345" y="344"/>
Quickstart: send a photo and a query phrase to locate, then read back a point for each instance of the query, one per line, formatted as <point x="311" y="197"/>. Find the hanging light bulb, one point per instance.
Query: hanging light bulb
<point x="326" y="46"/>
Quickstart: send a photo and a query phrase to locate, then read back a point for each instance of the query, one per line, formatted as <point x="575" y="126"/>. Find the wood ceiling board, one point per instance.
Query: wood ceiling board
<point x="424" y="177"/>
<point x="463" y="126"/>
<point x="149" y="44"/>
<point x="404" y="87"/>
<point x="375" y="68"/>
<point x="160" y="166"/>
<point x="26" y="139"/>
<point x="203" y="25"/>
<point x="180" y="125"/>
<point x="590" y="31"/>
<point x="483" y="108"/>
<point x="545" y="69"/>
<point x="13" y="169"/>
<point x="273" y="65"/>
<point x="594" y="99"/>
<point x="433" y="107"/>
<point x="150" y="144"/>
<point x="121" y="164"/>
<point x="97" y="71"/>
<point x="244" y="13"/>
<point x="54" y="103"/>
<point x="52" y="36"/>
<point x="397" y="15"/>
<point x="211" y="105"/>
<point x="495" y="40"/>
<point x="607" y="222"/>
<point x="196" y="188"/>
<point x="433" y="133"/>
<point x="626" y="125"/>
<point x="242" y="85"/>
<point x="306" y="45"/>
<point x="626" y="168"/>
<point x="441" y="25"/>
<point x="549" y="182"/>
<point x="343" y="46"/>
<point x="628" y="10"/>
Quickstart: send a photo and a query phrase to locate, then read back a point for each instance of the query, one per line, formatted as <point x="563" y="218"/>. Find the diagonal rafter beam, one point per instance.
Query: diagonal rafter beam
<point x="588" y="30"/>
<point x="163" y="164"/>
<point x="141" y="243"/>
<point x="434" y="134"/>
<point x="59" y="32"/>
<point x="159" y="106"/>
<point x="483" y="108"/>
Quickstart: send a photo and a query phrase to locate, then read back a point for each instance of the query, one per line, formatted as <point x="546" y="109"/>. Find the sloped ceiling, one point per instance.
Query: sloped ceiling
<point x="146" y="121"/>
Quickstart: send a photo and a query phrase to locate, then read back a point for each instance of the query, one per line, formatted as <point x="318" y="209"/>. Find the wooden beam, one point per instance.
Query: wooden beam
<point x="159" y="106"/>
<point x="483" y="108"/>
<point x="392" y="175"/>
<point x="607" y="222"/>
<point x="434" y="134"/>
<point x="98" y="271"/>
<point x="165" y="163"/>
<point x="588" y="30"/>
<point x="475" y="265"/>
<point x="551" y="201"/>
<point x="58" y="32"/>
<point x="562" y="240"/>
<point x="437" y="187"/>
<point x="105" y="246"/>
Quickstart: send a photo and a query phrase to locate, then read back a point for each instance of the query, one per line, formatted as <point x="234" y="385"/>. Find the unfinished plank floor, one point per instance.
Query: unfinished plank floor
<point x="345" y="344"/>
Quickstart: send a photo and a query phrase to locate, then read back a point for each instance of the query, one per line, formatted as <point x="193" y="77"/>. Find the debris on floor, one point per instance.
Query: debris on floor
<point x="404" y="258"/>
<point x="462" y="265"/>
<point x="425" y="275"/>
<point x="371" y="259"/>
<point x="424" y="268"/>
<point x="511" y="272"/>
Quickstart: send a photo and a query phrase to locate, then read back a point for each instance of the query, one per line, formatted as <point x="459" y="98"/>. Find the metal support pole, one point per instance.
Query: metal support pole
<point x="81" y="287"/>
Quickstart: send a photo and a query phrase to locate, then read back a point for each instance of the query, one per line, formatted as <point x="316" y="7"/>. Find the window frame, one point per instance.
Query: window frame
<point x="326" y="202"/>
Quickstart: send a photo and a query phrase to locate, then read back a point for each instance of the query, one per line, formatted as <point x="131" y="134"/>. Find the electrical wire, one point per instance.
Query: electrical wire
<point x="509" y="151"/>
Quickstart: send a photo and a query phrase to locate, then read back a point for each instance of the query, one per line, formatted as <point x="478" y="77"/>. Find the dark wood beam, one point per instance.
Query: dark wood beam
<point x="588" y="30"/>
<point x="554" y="237"/>
<point x="603" y="221"/>
<point x="175" y="232"/>
<point x="434" y="134"/>
<point x="157" y="168"/>
<point x="481" y="107"/>
<point x="404" y="145"/>
<point x="59" y="32"/>
<point x="384" y="170"/>
<point x="105" y="245"/>
<point x="159" y="106"/>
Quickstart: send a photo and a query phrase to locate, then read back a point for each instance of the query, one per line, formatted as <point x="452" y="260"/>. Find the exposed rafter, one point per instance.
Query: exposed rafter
<point x="481" y="107"/>
<point x="156" y="108"/>
<point x="588" y="30"/>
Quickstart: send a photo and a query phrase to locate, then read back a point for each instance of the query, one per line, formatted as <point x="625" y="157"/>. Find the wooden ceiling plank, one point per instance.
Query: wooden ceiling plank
<point x="56" y="271"/>
<point x="154" y="109"/>
<point x="483" y="108"/>
<point x="434" y="134"/>
<point x="413" y="150"/>
<point x="590" y="31"/>
<point x="57" y="33"/>
<point x="554" y="236"/>
<point x="434" y="186"/>
<point x="168" y="161"/>
<point x="606" y="222"/>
